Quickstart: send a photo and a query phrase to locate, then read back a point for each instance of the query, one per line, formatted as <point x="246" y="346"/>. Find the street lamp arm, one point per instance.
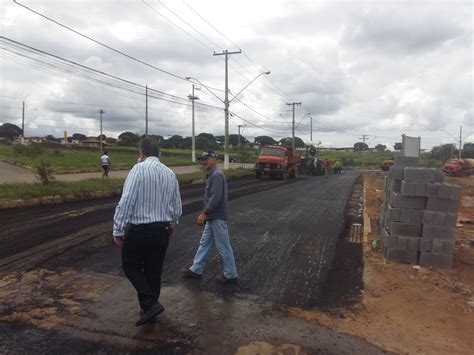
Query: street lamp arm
<point x="246" y="86"/>
<point x="190" y="78"/>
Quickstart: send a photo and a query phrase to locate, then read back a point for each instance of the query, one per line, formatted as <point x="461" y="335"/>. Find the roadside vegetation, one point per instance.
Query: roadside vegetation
<point x="74" y="160"/>
<point x="17" y="191"/>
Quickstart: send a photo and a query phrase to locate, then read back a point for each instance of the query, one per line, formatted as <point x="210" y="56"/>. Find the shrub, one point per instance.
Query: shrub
<point x="44" y="172"/>
<point x="32" y="150"/>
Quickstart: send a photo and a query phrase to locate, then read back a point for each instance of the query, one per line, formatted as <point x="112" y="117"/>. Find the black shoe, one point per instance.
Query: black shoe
<point x="221" y="279"/>
<point x="186" y="272"/>
<point x="151" y="320"/>
<point x="156" y="309"/>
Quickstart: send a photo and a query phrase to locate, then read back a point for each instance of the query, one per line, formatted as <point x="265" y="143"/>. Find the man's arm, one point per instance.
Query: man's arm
<point x="215" y="193"/>
<point x="127" y="202"/>
<point x="177" y="208"/>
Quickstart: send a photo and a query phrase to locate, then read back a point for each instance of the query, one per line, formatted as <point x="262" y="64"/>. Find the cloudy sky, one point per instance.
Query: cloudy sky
<point x="376" y="68"/>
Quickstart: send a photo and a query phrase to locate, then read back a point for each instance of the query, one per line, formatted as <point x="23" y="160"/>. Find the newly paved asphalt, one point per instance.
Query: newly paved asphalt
<point x="284" y="241"/>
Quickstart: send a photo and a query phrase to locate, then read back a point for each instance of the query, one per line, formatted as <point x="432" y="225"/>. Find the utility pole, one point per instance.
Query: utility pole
<point x="193" y="139"/>
<point x="23" y="124"/>
<point x="238" y="142"/>
<point x="311" y="128"/>
<point x="460" y="141"/>
<point x="100" y="137"/>
<point x="293" y="104"/>
<point x="146" y="111"/>
<point x="226" y="107"/>
<point x="364" y="138"/>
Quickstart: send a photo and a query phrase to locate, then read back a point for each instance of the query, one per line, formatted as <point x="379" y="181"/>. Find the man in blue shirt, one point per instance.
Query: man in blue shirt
<point x="214" y="217"/>
<point x="149" y="207"/>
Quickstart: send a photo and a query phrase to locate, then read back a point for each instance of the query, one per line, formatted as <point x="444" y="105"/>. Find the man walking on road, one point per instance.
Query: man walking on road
<point x="105" y="160"/>
<point x="150" y="206"/>
<point x="214" y="217"/>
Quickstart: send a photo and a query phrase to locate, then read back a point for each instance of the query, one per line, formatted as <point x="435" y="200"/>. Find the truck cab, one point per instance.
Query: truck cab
<point x="277" y="161"/>
<point x="459" y="167"/>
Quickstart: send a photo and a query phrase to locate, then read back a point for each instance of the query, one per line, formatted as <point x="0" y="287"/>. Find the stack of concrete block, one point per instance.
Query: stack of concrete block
<point x="419" y="214"/>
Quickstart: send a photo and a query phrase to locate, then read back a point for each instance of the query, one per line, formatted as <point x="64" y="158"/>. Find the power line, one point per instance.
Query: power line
<point x="73" y="67"/>
<point x="100" y="43"/>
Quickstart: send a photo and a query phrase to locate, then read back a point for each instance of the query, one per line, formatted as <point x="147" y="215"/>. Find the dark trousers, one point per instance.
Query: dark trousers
<point x="143" y="253"/>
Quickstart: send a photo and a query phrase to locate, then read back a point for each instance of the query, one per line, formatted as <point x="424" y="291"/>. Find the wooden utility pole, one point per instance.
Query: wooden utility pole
<point x="100" y="137"/>
<point x="293" y="104"/>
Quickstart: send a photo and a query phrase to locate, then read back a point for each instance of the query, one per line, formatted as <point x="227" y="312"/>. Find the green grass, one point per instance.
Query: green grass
<point x="17" y="191"/>
<point x="72" y="160"/>
<point x="375" y="159"/>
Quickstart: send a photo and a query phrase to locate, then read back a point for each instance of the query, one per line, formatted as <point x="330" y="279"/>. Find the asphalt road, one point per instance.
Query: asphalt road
<point x="284" y="241"/>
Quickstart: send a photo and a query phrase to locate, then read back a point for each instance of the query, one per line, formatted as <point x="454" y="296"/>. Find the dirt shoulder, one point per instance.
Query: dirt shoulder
<point x="411" y="309"/>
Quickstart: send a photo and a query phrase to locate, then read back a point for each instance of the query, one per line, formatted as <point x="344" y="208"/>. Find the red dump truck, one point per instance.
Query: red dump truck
<point x="459" y="167"/>
<point x="277" y="161"/>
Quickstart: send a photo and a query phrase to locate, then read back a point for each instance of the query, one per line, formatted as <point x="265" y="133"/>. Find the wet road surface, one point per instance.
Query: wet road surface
<point x="284" y="241"/>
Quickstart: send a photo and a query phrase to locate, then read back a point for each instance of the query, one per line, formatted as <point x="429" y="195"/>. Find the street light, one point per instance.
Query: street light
<point x="226" y="103"/>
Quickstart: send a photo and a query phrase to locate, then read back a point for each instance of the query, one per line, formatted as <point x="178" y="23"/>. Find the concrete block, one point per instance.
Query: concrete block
<point x="451" y="220"/>
<point x="401" y="256"/>
<point x="440" y="219"/>
<point x="432" y="189"/>
<point x="408" y="215"/>
<point x="439" y="176"/>
<point x="395" y="185"/>
<point x="408" y="189"/>
<point x="396" y="172"/>
<point x="419" y="174"/>
<point x="448" y="191"/>
<point x="399" y="201"/>
<point x="413" y="243"/>
<point x="393" y="214"/>
<point x="403" y="161"/>
<point x="405" y="229"/>
<point x="402" y="243"/>
<point x="436" y="260"/>
<point x="426" y="244"/>
<point x="441" y="205"/>
<point x="441" y="246"/>
<point x="436" y="232"/>
<point x="390" y="241"/>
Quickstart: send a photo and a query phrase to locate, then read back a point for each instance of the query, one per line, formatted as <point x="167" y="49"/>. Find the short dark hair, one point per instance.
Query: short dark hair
<point x="149" y="147"/>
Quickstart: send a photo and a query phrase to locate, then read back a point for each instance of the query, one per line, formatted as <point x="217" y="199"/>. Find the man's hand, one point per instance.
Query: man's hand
<point x="118" y="241"/>
<point x="201" y="219"/>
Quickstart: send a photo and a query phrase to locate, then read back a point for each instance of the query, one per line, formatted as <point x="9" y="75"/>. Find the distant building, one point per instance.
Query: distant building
<point x="95" y="143"/>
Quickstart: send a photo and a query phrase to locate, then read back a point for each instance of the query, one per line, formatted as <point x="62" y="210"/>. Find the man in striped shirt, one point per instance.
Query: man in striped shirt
<point x="150" y="206"/>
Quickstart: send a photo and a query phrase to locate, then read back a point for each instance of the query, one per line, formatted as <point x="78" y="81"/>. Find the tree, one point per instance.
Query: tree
<point x="104" y="137"/>
<point x="299" y="143"/>
<point x="360" y="146"/>
<point x="204" y="143"/>
<point x="219" y="141"/>
<point x="397" y="146"/>
<point x="110" y="140"/>
<point x="380" y="147"/>
<point x="468" y="150"/>
<point x="208" y="136"/>
<point x="10" y="131"/>
<point x="156" y="137"/>
<point x="79" y="137"/>
<point x="51" y="138"/>
<point x="263" y="140"/>
<point x="187" y="143"/>
<point x="128" y="139"/>
<point x="174" y="141"/>
<point x="443" y="152"/>
<point x="234" y="139"/>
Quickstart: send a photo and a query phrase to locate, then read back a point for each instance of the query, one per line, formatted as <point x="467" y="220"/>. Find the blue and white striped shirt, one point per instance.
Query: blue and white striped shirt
<point x="150" y="194"/>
